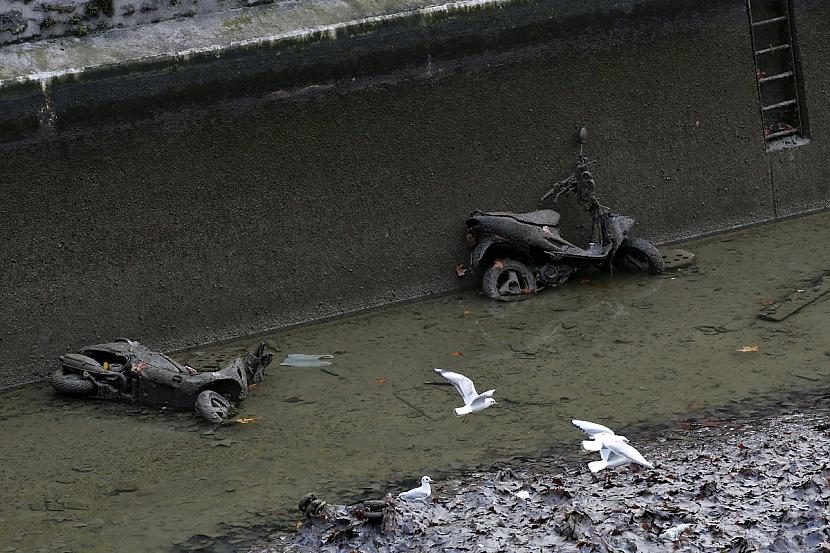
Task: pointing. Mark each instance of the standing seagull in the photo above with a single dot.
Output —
(473, 401)
(421, 492)
(614, 450)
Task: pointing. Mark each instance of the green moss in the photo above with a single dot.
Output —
(236, 23)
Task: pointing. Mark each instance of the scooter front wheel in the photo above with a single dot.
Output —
(508, 280)
(638, 256)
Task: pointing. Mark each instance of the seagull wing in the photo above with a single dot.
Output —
(463, 384)
(417, 493)
(626, 450)
(480, 401)
(591, 428)
(592, 445)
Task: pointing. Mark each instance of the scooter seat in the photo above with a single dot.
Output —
(543, 217)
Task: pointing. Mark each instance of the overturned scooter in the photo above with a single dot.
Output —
(128, 371)
(524, 251)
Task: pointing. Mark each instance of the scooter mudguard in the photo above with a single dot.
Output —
(480, 250)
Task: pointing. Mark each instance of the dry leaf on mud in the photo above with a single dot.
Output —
(468, 312)
(460, 270)
(248, 420)
(381, 381)
(457, 354)
(766, 302)
(747, 349)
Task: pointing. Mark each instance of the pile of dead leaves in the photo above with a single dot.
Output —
(761, 486)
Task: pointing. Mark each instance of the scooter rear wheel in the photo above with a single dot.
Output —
(213, 406)
(72, 384)
(508, 280)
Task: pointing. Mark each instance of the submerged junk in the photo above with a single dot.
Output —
(305, 360)
(523, 252)
(128, 371)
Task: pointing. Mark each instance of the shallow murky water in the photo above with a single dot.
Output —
(628, 351)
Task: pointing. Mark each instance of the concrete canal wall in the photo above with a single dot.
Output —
(201, 178)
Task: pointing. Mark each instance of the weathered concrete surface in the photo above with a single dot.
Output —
(801, 176)
(186, 198)
(27, 20)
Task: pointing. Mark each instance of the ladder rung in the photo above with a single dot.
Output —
(768, 21)
(783, 104)
(781, 134)
(772, 49)
(776, 77)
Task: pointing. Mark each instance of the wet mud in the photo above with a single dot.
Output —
(718, 485)
(631, 351)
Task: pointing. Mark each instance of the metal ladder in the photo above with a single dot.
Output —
(771, 28)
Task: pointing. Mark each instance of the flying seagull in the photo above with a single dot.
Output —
(473, 401)
(614, 450)
(421, 492)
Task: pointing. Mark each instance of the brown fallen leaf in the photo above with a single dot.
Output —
(248, 420)
(252, 386)
(498, 264)
(381, 381)
(457, 354)
(766, 302)
(460, 270)
(747, 349)
(468, 312)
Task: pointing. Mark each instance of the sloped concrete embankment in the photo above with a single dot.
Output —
(202, 178)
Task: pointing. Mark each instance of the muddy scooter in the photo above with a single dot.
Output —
(524, 252)
(125, 370)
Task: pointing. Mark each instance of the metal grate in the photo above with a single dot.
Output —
(777, 72)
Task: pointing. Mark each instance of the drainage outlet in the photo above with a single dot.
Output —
(674, 259)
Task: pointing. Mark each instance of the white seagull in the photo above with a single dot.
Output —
(421, 492)
(473, 401)
(614, 450)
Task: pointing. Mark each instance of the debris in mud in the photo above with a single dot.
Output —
(676, 258)
(747, 349)
(305, 360)
(760, 485)
(126, 370)
(798, 300)
(521, 253)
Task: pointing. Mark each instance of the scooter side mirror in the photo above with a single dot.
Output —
(583, 135)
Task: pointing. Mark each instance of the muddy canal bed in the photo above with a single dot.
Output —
(718, 485)
(630, 351)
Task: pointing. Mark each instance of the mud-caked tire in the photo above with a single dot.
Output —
(636, 255)
(508, 280)
(72, 384)
(213, 406)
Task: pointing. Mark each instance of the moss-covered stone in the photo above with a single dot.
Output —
(13, 22)
(94, 8)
